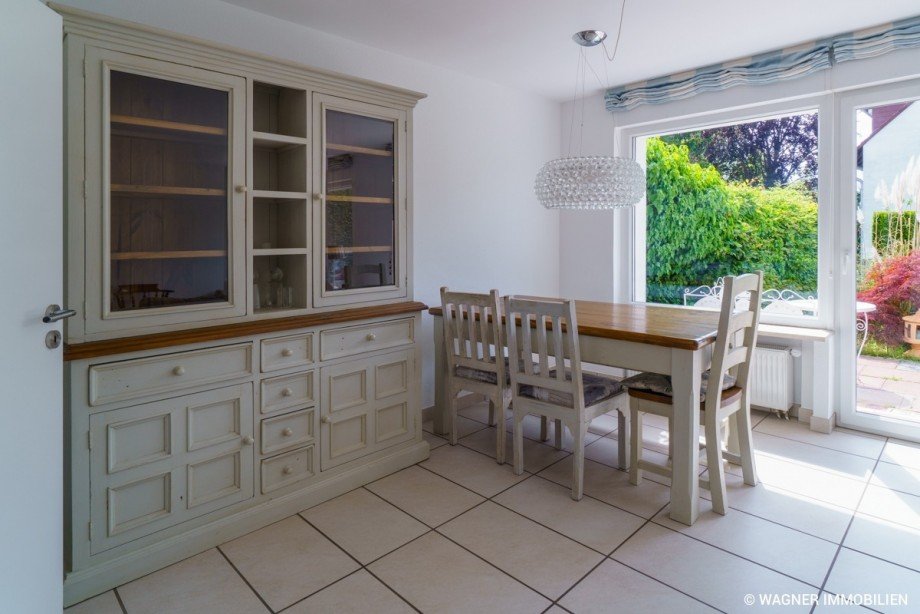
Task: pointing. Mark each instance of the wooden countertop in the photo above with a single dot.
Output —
(672, 327)
(123, 345)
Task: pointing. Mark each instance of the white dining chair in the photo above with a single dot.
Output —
(476, 362)
(570, 396)
(651, 393)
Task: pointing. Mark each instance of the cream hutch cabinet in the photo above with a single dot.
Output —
(239, 253)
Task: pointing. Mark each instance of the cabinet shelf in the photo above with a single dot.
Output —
(279, 195)
(269, 140)
(280, 251)
(386, 153)
(162, 124)
(162, 191)
(359, 249)
(368, 200)
(198, 253)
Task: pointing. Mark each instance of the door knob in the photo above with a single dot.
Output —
(55, 313)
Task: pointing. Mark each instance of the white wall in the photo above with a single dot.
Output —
(478, 146)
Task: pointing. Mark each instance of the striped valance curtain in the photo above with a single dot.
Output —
(769, 67)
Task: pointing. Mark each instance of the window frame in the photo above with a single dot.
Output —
(630, 139)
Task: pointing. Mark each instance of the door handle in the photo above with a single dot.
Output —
(55, 313)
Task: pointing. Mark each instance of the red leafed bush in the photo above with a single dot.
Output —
(893, 286)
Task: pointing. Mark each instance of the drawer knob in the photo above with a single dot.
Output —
(287, 352)
(371, 336)
(248, 440)
(242, 189)
(286, 392)
(180, 370)
(326, 420)
(287, 470)
(287, 432)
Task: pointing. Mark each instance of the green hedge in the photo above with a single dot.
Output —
(893, 232)
(701, 227)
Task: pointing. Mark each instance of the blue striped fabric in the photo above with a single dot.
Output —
(769, 67)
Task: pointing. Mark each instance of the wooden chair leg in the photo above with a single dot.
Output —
(491, 412)
(558, 435)
(746, 446)
(635, 450)
(579, 433)
(623, 438)
(716, 468)
(452, 418)
(498, 403)
(543, 430)
(517, 442)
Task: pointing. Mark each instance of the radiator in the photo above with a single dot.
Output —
(771, 378)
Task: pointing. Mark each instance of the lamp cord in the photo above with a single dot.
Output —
(616, 45)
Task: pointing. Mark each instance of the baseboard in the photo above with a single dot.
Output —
(804, 414)
(823, 425)
(92, 581)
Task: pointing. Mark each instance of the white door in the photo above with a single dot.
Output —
(879, 285)
(31, 248)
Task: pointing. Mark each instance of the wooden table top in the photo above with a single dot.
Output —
(686, 329)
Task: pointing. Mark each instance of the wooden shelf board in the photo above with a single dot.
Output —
(111, 347)
(361, 249)
(281, 251)
(359, 150)
(128, 120)
(369, 200)
(199, 253)
(159, 191)
(270, 140)
(279, 195)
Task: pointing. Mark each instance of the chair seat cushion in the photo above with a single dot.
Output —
(597, 388)
(487, 377)
(661, 384)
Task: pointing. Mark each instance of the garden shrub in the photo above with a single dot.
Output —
(701, 228)
(893, 232)
(893, 286)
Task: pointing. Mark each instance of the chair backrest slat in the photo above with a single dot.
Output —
(536, 315)
(737, 320)
(472, 331)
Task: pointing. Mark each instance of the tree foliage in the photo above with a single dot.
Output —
(893, 286)
(768, 153)
(701, 227)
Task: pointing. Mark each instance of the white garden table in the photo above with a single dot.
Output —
(667, 340)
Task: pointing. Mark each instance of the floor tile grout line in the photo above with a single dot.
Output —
(121, 602)
(432, 471)
(814, 445)
(617, 547)
(408, 513)
(493, 565)
(246, 581)
(617, 507)
(393, 590)
(878, 558)
(735, 554)
(319, 590)
(846, 531)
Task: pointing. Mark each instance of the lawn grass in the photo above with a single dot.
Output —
(881, 350)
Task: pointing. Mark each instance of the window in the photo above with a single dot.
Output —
(731, 199)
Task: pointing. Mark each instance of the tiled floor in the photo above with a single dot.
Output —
(835, 513)
(889, 387)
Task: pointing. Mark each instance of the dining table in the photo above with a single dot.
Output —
(672, 341)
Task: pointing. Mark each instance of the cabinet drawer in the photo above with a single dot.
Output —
(339, 342)
(287, 431)
(287, 391)
(129, 379)
(287, 469)
(284, 352)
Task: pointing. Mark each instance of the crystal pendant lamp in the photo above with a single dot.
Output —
(590, 182)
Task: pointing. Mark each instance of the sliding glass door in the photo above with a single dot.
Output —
(879, 283)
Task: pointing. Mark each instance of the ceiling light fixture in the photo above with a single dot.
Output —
(589, 182)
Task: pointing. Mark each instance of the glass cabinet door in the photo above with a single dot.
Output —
(361, 192)
(172, 193)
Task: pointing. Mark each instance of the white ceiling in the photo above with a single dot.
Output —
(526, 44)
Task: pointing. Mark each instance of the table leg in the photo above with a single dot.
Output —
(441, 402)
(686, 369)
(862, 326)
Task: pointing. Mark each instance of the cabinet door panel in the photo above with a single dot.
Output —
(162, 463)
(360, 231)
(164, 221)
